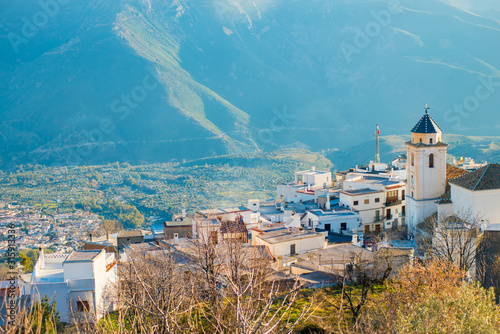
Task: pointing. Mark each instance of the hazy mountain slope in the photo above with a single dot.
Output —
(481, 149)
(62, 103)
(233, 75)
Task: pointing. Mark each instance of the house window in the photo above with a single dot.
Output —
(82, 306)
(413, 159)
(377, 200)
(367, 201)
(214, 237)
(343, 226)
(292, 249)
(431, 161)
(392, 196)
(356, 203)
(431, 140)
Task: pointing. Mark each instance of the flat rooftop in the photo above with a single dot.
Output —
(361, 192)
(312, 172)
(223, 211)
(128, 234)
(321, 213)
(377, 180)
(285, 234)
(105, 240)
(337, 252)
(53, 271)
(175, 223)
(83, 255)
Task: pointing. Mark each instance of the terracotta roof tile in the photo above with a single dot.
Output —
(485, 178)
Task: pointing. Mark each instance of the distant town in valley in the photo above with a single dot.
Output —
(385, 216)
(250, 167)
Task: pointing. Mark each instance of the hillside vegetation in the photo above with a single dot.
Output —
(163, 188)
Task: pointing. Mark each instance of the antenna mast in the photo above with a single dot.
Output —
(377, 139)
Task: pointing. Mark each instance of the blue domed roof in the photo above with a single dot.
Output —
(426, 125)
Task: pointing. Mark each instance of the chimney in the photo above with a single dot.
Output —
(91, 236)
(260, 225)
(107, 235)
(183, 213)
(327, 204)
(355, 239)
(41, 258)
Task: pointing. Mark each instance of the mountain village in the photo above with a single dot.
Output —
(379, 212)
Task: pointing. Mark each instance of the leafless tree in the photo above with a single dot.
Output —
(452, 238)
(364, 276)
(246, 295)
(209, 285)
(488, 260)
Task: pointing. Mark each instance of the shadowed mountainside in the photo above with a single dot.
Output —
(147, 81)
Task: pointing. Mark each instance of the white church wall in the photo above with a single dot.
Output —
(483, 204)
(445, 210)
(418, 211)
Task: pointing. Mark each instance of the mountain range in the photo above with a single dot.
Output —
(151, 80)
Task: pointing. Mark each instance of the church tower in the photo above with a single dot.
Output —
(426, 170)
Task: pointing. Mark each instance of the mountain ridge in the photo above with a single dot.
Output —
(233, 77)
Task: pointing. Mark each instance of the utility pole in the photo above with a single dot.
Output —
(377, 140)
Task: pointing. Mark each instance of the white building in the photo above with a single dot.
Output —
(476, 194)
(282, 241)
(401, 162)
(468, 163)
(306, 184)
(380, 201)
(82, 282)
(426, 170)
(333, 221)
(250, 217)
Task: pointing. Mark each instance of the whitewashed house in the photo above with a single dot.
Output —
(332, 221)
(282, 241)
(476, 194)
(82, 283)
(379, 201)
(305, 186)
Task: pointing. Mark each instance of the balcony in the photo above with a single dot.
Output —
(391, 202)
(379, 219)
